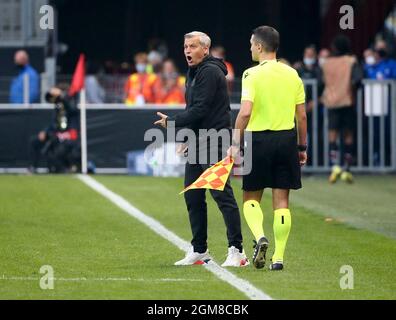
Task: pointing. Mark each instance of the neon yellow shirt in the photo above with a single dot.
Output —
(275, 89)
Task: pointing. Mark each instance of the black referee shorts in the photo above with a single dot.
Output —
(275, 161)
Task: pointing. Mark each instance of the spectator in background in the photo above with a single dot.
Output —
(159, 45)
(324, 53)
(95, 92)
(21, 60)
(369, 58)
(139, 80)
(309, 70)
(155, 60)
(169, 88)
(378, 66)
(220, 53)
(385, 67)
(341, 73)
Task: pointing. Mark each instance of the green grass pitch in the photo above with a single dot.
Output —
(97, 251)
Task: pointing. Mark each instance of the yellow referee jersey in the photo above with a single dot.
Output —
(275, 89)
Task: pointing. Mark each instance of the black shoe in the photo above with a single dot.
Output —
(260, 249)
(276, 266)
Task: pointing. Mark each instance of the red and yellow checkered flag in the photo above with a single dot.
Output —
(214, 177)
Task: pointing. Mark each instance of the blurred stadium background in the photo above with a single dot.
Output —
(57, 220)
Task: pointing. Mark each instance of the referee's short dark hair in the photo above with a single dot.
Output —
(268, 37)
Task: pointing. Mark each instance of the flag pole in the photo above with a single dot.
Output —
(83, 131)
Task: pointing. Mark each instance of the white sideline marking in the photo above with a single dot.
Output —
(13, 278)
(240, 284)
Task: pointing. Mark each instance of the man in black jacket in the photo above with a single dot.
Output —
(208, 107)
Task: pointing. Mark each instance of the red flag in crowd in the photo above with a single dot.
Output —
(78, 76)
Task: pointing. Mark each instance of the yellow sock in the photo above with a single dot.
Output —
(254, 218)
(282, 225)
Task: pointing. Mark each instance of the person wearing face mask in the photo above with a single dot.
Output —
(134, 87)
(310, 57)
(309, 70)
(324, 53)
(21, 60)
(385, 67)
(370, 63)
(169, 88)
(369, 57)
(378, 66)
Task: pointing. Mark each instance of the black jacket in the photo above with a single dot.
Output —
(207, 100)
(66, 116)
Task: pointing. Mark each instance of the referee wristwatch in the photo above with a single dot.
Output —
(302, 147)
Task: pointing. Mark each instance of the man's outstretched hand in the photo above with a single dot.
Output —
(163, 121)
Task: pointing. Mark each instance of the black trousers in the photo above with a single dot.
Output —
(35, 151)
(197, 210)
(58, 155)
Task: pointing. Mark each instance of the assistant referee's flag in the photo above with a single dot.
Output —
(78, 77)
(214, 177)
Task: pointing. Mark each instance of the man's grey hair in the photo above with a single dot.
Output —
(204, 39)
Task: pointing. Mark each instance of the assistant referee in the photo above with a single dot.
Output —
(273, 110)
